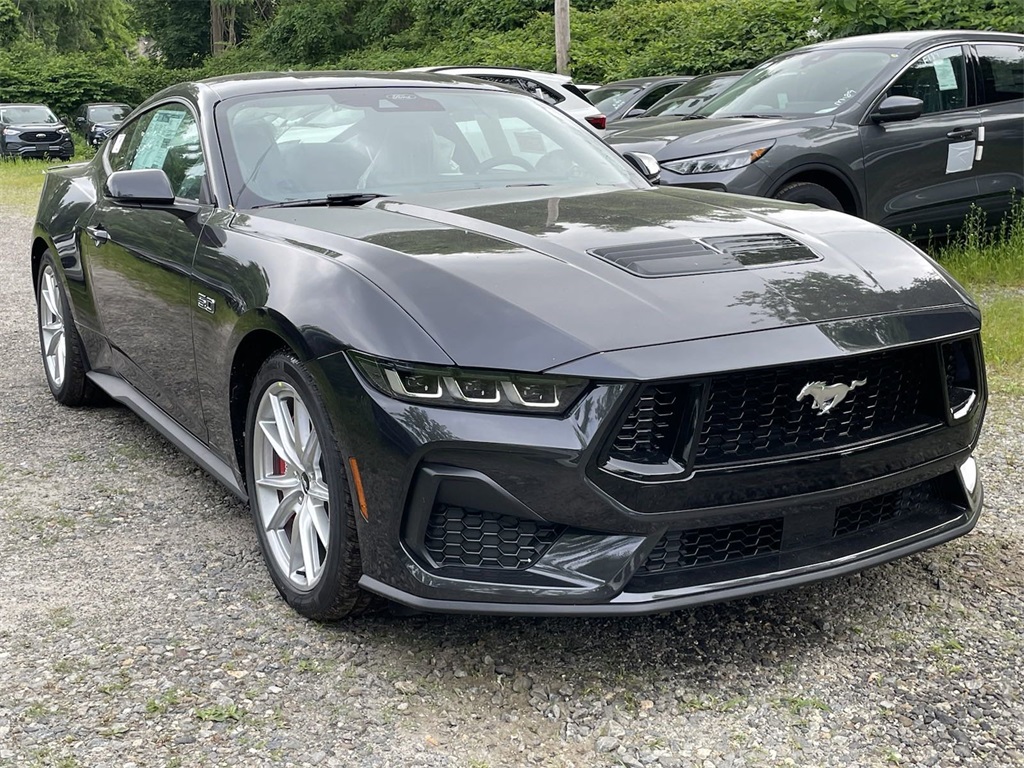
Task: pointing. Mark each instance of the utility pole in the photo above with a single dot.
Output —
(562, 37)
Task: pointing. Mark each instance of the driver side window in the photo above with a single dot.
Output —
(938, 79)
(165, 138)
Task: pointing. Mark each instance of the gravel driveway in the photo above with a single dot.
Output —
(138, 627)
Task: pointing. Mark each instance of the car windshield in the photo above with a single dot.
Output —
(816, 82)
(686, 98)
(611, 97)
(312, 144)
(27, 114)
(109, 113)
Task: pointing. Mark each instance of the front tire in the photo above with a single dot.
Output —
(61, 347)
(806, 192)
(299, 494)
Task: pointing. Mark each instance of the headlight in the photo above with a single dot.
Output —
(459, 388)
(723, 161)
(10, 132)
(64, 131)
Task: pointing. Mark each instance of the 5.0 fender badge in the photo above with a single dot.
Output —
(828, 396)
(205, 302)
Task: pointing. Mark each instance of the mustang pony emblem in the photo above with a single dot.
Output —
(828, 396)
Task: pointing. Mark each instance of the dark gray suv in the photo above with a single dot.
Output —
(32, 130)
(905, 129)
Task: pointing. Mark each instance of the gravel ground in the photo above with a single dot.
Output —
(138, 627)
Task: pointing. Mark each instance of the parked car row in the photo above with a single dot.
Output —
(33, 130)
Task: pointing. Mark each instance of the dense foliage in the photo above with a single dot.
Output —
(63, 52)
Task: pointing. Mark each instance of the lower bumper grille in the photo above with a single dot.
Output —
(678, 550)
(851, 518)
(470, 538)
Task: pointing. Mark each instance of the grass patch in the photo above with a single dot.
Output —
(21, 180)
(219, 714)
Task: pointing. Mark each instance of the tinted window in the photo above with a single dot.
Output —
(937, 78)
(1002, 72)
(653, 96)
(108, 113)
(610, 97)
(686, 98)
(27, 114)
(165, 138)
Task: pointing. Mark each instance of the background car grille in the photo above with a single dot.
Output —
(678, 550)
(40, 137)
(457, 536)
(755, 415)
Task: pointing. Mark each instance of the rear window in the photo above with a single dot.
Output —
(1002, 72)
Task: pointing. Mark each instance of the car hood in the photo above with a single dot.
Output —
(105, 126)
(673, 138)
(38, 127)
(509, 279)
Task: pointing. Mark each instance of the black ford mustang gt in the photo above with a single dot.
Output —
(457, 352)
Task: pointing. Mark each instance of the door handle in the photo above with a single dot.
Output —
(960, 134)
(98, 234)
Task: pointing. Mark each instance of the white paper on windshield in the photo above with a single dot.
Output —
(157, 139)
(960, 157)
(117, 144)
(944, 74)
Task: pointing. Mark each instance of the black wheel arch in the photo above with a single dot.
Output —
(828, 176)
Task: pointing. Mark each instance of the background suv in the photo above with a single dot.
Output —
(97, 121)
(32, 130)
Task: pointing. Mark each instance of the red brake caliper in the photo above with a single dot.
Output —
(279, 465)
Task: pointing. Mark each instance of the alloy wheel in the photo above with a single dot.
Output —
(51, 327)
(292, 495)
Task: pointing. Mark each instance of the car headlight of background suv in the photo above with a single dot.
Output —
(461, 388)
(11, 132)
(720, 161)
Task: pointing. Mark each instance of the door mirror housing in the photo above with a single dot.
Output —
(898, 108)
(646, 164)
(145, 186)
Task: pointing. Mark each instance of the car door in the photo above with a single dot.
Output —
(919, 174)
(140, 260)
(999, 161)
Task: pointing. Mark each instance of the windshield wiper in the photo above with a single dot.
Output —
(339, 199)
(694, 117)
(753, 116)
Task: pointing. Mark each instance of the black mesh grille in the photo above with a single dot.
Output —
(471, 538)
(679, 550)
(756, 414)
(648, 435)
(851, 518)
(39, 137)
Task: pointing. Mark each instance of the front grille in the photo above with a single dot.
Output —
(851, 518)
(40, 137)
(472, 538)
(756, 414)
(679, 550)
(648, 435)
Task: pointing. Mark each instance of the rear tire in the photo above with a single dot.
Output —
(807, 192)
(62, 350)
(299, 494)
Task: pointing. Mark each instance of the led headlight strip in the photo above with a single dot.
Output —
(460, 388)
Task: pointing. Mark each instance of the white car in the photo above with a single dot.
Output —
(557, 90)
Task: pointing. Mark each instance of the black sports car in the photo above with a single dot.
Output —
(457, 352)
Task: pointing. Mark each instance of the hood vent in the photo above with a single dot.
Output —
(672, 258)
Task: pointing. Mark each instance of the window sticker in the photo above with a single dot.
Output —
(157, 139)
(944, 74)
(960, 157)
(118, 142)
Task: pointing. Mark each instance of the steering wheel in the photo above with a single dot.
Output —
(500, 160)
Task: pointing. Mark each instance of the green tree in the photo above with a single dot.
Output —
(76, 25)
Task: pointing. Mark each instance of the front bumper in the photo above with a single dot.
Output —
(64, 149)
(508, 514)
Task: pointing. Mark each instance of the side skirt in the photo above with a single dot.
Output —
(123, 392)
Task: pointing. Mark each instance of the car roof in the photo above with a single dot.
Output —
(914, 40)
(641, 81)
(21, 104)
(489, 69)
(105, 104)
(228, 86)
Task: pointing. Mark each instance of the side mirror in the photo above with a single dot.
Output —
(146, 186)
(646, 164)
(79, 120)
(635, 112)
(898, 108)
